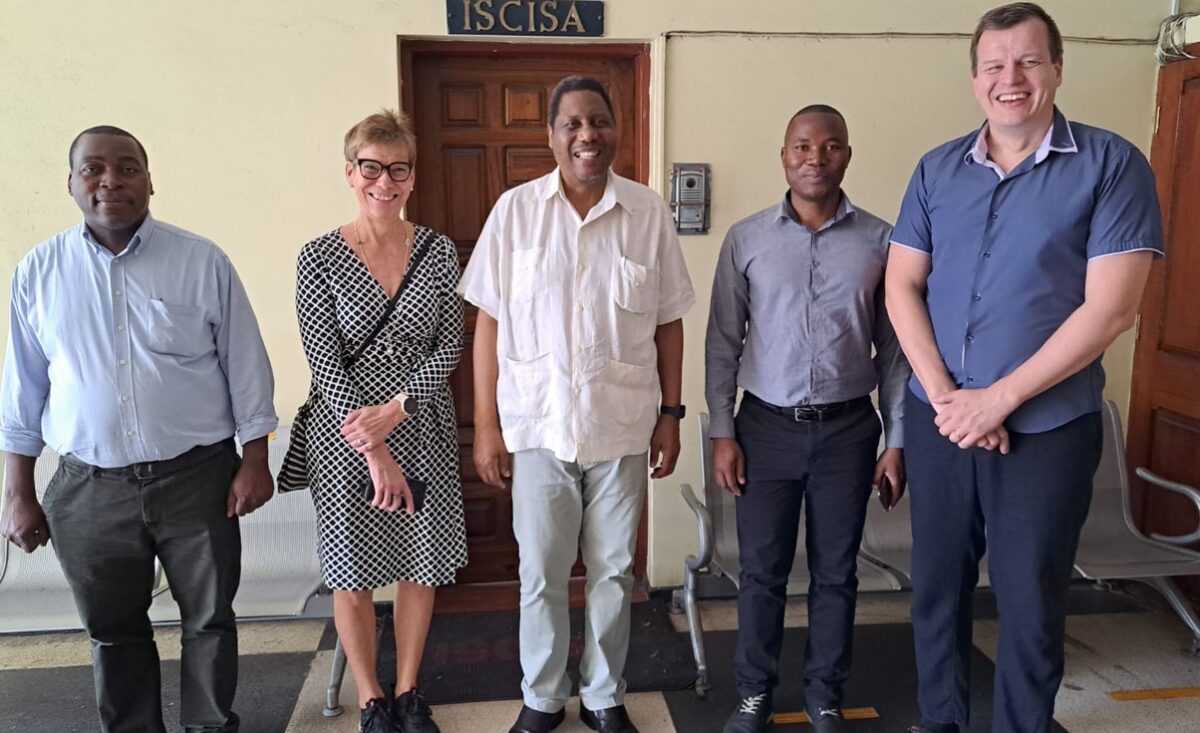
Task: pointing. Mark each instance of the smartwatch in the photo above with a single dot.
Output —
(675, 411)
(407, 403)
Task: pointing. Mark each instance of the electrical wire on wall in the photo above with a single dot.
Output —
(1171, 35)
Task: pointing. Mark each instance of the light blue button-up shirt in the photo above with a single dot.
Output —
(135, 357)
(1010, 252)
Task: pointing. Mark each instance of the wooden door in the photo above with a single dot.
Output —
(1164, 413)
(480, 115)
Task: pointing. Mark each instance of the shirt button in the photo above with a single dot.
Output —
(124, 398)
(581, 307)
(121, 327)
(987, 255)
(976, 297)
(129, 433)
(576, 390)
(970, 337)
(995, 215)
(117, 293)
(970, 379)
(122, 362)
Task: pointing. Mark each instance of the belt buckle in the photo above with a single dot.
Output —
(803, 413)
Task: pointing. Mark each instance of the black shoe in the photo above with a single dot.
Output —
(374, 718)
(826, 720)
(753, 715)
(607, 720)
(411, 714)
(535, 721)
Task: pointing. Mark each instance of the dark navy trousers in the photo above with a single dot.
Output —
(1026, 508)
(828, 465)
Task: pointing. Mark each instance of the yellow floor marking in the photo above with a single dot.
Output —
(1163, 694)
(848, 714)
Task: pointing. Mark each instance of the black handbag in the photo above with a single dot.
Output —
(293, 474)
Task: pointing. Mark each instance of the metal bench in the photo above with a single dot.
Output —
(717, 556)
(1111, 546)
(887, 540)
(280, 569)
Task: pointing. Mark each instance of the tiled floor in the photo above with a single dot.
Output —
(1105, 652)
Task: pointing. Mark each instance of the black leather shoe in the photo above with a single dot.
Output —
(607, 720)
(411, 714)
(535, 721)
(826, 720)
(753, 715)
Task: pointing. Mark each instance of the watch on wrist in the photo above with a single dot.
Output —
(407, 404)
(675, 411)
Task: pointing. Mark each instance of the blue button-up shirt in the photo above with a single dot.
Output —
(135, 357)
(1010, 252)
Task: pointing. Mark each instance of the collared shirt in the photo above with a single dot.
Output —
(135, 357)
(795, 313)
(1010, 252)
(577, 302)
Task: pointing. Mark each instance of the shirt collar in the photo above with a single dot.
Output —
(142, 234)
(1059, 139)
(616, 191)
(787, 212)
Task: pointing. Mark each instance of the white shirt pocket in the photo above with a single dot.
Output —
(635, 287)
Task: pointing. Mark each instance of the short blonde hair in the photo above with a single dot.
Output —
(385, 127)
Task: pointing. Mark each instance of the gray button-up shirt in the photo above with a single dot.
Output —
(795, 313)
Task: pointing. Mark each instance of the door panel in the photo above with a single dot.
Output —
(479, 111)
(1164, 413)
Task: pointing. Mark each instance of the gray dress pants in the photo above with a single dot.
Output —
(561, 509)
(107, 527)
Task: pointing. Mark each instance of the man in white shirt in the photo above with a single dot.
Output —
(581, 288)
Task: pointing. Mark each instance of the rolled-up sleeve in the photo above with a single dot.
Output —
(243, 358)
(25, 386)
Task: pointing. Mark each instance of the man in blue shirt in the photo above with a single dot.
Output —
(134, 354)
(1019, 255)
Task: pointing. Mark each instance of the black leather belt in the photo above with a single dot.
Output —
(154, 469)
(811, 413)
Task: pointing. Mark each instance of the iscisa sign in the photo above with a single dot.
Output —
(525, 17)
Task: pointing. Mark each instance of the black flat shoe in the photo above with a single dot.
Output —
(535, 721)
(411, 714)
(608, 720)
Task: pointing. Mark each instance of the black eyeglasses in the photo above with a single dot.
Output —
(372, 169)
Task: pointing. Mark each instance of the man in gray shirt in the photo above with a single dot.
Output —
(797, 304)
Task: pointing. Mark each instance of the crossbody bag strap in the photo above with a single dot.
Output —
(418, 255)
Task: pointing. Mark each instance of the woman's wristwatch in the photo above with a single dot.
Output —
(675, 411)
(407, 404)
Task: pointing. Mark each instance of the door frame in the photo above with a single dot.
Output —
(410, 48)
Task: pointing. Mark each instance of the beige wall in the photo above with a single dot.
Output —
(242, 107)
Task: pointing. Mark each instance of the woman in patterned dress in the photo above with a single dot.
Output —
(383, 419)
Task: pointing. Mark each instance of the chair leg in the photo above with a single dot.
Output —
(1179, 605)
(695, 629)
(332, 707)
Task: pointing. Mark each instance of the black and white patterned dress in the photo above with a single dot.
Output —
(337, 303)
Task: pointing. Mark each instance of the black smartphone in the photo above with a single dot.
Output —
(886, 498)
(418, 488)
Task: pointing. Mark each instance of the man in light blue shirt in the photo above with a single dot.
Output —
(134, 354)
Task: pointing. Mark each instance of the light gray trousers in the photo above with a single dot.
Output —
(559, 508)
